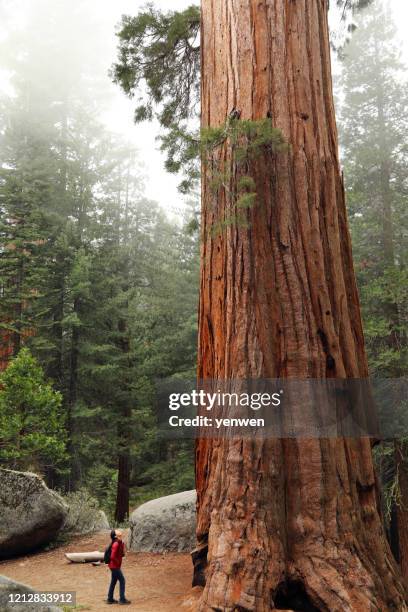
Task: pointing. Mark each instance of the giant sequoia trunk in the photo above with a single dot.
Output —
(288, 523)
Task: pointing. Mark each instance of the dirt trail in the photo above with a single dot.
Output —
(154, 582)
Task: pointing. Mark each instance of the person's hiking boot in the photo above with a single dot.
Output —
(125, 602)
(111, 601)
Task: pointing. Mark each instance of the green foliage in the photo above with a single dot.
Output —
(94, 278)
(229, 155)
(101, 479)
(384, 456)
(383, 295)
(183, 152)
(159, 65)
(26, 189)
(161, 50)
(352, 6)
(373, 130)
(159, 54)
(348, 14)
(173, 474)
(31, 418)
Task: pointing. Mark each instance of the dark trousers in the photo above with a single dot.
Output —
(117, 575)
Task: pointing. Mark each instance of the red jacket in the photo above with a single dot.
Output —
(117, 554)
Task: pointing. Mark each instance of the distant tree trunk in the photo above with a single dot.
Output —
(6, 349)
(18, 309)
(123, 488)
(57, 366)
(125, 415)
(288, 523)
(124, 436)
(72, 399)
(73, 371)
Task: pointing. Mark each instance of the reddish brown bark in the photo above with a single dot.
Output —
(402, 506)
(6, 350)
(289, 523)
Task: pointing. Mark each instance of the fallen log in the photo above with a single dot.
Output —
(84, 557)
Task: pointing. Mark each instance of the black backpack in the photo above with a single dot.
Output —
(107, 554)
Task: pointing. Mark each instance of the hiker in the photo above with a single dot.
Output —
(117, 553)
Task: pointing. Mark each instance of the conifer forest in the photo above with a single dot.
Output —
(214, 192)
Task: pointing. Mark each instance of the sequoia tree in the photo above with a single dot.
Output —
(288, 523)
(281, 522)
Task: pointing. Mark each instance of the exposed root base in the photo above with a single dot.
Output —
(292, 595)
(322, 590)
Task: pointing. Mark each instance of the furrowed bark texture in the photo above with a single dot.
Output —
(402, 507)
(289, 523)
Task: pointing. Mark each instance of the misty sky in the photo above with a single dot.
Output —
(160, 186)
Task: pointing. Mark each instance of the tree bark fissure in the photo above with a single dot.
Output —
(280, 300)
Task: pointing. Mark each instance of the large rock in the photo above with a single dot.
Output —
(166, 524)
(31, 515)
(9, 587)
(84, 515)
(82, 525)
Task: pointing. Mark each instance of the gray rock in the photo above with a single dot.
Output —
(84, 516)
(9, 587)
(166, 524)
(79, 525)
(31, 515)
(100, 522)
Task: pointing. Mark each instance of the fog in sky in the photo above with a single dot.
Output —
(94, 37)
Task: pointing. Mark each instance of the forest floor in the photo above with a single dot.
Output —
(155, 582)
